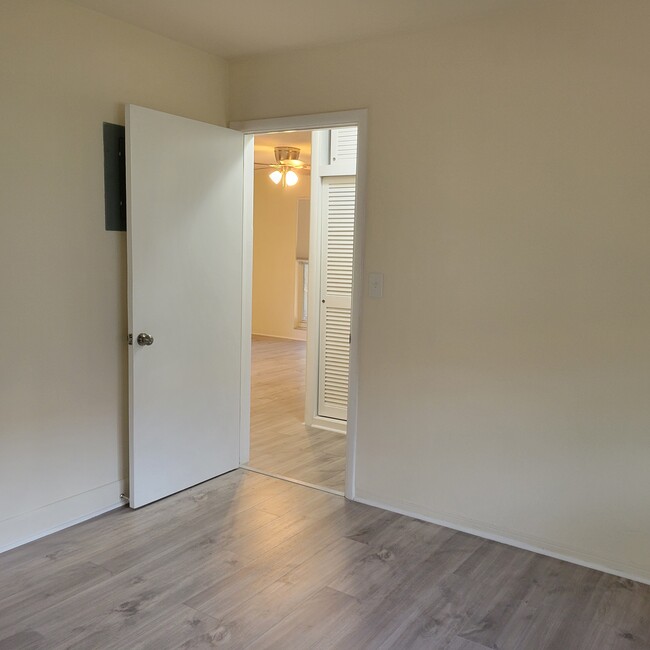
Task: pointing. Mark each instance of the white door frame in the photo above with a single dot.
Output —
(319, 170)
(250, 128)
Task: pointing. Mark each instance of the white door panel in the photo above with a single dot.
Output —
(185, 189)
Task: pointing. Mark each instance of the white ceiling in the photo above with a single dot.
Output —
(236, 28)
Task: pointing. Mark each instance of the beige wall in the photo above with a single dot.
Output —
(63, 413)
(274, 256)
(505, 375)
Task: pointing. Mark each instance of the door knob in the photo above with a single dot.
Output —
(144, 339)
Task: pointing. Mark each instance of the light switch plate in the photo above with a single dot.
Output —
(375, 285)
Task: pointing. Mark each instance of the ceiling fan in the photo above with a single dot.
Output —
(287, 162)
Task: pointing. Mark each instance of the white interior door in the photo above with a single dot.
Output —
(338, 199)
(184, 232)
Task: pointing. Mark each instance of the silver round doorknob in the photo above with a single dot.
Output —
(144, 339)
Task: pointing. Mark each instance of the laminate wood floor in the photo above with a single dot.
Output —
(248, 561)
(280, 442)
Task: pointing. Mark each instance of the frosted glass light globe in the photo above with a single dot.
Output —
(292, 178)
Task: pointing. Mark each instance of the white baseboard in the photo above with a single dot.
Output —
(279, 338)
(53, 517)
(541, 546)
(337, 426)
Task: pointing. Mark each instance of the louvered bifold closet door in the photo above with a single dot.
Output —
(343, 146)
(336, 295)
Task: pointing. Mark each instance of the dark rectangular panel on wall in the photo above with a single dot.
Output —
(114, 176)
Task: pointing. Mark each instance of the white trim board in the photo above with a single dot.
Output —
(56, 516)
(524, 542)
(358, 118)
(247, 301)
(311, 122)
(313, 299)
(329, 424)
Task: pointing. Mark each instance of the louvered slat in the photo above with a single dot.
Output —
(343, 144)
(339, 237)
(337, 357)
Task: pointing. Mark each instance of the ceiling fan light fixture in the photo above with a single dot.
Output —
(290, 162)
(287, 156)
(287, 164)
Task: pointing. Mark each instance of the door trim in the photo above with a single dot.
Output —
(247, 300)
(358, 118)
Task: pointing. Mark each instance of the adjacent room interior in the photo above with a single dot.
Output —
(303, 243)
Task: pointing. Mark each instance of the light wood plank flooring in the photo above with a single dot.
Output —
(248, 561)
(280, 443)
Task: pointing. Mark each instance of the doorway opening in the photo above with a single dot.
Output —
(304, 205)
